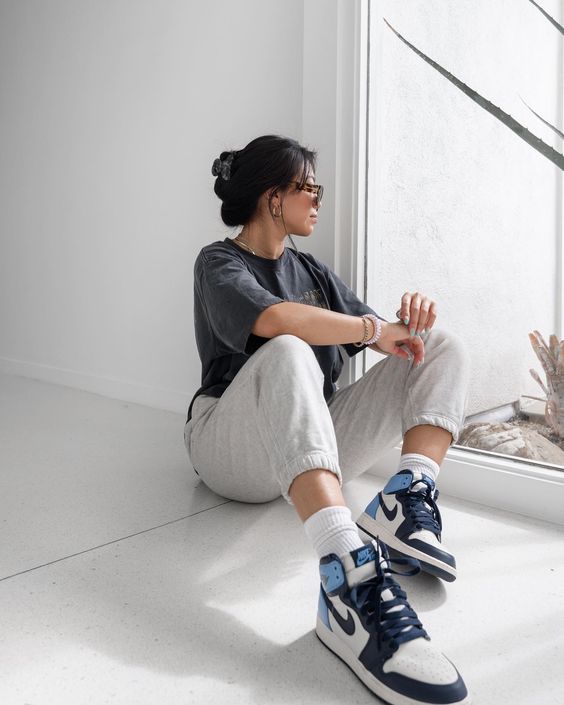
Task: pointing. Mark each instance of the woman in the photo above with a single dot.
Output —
(269, 419)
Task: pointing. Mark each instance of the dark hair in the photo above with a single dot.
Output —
(268, 162)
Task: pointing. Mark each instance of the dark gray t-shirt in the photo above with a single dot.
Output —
(232, 287)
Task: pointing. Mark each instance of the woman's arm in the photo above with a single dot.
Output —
(319, 326)
(315, 325)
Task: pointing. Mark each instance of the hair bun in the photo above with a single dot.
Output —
(222, 167)
(243, 175)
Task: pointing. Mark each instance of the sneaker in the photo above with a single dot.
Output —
(406, 518)
(366, 620)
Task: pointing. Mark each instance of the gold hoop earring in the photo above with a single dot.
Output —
(276, 213)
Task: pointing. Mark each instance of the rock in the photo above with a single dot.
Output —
(511, 440)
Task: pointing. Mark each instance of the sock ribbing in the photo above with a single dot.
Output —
(332, 530)
(419, 463)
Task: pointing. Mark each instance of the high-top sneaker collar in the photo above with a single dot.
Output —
(412, 480)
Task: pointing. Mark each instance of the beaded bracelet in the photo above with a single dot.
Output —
(377, 330)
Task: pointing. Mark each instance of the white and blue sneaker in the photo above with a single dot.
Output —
(406, 518)
(365, 619)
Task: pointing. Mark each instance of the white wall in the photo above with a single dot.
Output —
(460, 208)
(111, 114)
(110, 117)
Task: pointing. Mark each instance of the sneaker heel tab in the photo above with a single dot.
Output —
(332, 573)
(397, 483)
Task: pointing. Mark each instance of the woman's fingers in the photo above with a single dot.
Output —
(411, 349)
(418, 312)
(405, 307)
(404, 352)
(418, 348)
(396, 340)
(415, 314)
(429, 309)
(432, 316)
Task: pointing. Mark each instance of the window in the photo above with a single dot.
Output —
(463, 209)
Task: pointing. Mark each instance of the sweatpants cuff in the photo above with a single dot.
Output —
(432, 419)
(311, 461)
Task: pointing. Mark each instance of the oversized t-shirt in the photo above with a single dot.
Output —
(233, 286)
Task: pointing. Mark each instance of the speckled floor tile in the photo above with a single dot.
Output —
(219, 606)
(79, 469)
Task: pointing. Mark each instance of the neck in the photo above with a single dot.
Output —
(266, 239)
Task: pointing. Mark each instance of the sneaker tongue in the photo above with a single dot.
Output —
(360, 564)
(420, 482)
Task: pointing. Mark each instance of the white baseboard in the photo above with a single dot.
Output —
(503, 482)
(155, 397)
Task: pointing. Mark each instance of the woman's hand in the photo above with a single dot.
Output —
(395, 334)
(418, 312)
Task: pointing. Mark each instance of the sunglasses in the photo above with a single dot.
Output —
(316, 189)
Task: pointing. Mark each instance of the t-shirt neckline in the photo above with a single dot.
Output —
(273, 263)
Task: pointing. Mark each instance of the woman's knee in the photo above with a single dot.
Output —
(289, 350)
(290, 344)
(452, 342)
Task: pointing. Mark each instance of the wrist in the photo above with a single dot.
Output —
(375, 346)
(367, 338)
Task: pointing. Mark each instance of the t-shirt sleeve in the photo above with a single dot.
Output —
(344, 300)
(231, 297)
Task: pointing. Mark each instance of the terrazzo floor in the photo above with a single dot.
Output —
(124, 580)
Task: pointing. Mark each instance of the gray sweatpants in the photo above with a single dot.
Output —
(273, 423)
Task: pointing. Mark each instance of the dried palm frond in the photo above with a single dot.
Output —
(552, 360)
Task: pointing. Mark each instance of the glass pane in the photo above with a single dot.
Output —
(465, 202)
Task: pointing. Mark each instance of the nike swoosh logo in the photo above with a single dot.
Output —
(390, 513)
(347, 625)
(365, 555)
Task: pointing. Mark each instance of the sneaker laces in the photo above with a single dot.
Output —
(396, 621)
(420, 505)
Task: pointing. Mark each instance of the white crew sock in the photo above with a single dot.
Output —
(419, 463)
(332, 530)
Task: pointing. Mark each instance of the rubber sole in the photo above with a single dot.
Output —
(428, 563)
(340, 649)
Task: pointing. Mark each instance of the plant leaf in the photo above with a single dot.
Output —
(498, 113)
(539, 346)
(560, 362)
(548, 17)
(535, 376)
(554, 346)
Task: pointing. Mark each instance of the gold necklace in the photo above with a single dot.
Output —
(242, 242)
